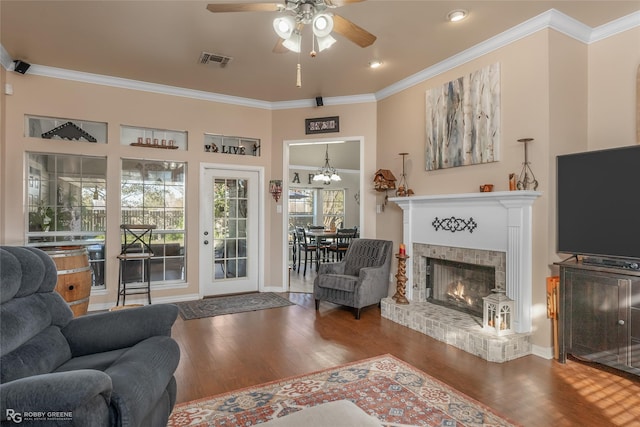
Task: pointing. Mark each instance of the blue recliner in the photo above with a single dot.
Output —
(104, 369)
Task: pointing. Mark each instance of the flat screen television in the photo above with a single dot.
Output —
(599, 205)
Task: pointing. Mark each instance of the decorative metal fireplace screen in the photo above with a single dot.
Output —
(459, 285)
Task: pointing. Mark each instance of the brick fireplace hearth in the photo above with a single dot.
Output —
(489, 229)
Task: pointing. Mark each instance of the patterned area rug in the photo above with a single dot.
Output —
(386, 387)
(209, 307)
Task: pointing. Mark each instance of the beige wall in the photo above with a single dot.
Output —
(356, 121)
(566, 95)
(62, 98)
(548, 92)
(613, 65)
(524, 85)
(3, 153)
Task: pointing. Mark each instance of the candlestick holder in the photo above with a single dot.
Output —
(401, 278)
(403, 187)
(525, 182)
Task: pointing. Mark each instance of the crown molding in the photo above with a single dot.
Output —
(551, 19)
(79, 76)
(332, 100)
(5, 58)
(59, 73)
(617, 26)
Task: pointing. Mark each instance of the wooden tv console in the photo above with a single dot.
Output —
(599, 315)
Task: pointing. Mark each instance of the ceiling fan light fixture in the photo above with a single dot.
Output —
(322, 24)
(293, 42)
(284, 26)
(325, 42)
(457, 15)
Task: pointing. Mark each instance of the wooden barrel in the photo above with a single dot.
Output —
(74, 276)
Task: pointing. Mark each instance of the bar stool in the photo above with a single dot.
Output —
(136, 250)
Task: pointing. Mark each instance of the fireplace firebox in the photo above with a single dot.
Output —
(459, 285)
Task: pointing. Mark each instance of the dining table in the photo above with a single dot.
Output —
(320, 235)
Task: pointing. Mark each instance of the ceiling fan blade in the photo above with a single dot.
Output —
(245, 7)
(356, 34)
(279, 47)
(338, 3)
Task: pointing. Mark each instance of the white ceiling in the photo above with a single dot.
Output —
(161, 41)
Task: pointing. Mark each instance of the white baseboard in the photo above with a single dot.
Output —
(273, 289)
(143, 300)
(544, 352)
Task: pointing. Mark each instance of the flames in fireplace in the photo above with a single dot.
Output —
(459, 285)
(456, 292)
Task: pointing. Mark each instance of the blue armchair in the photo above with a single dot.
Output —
(104, 369)
(360, 279)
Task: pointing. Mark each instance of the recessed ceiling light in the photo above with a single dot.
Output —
(375, 64)
(457, 15)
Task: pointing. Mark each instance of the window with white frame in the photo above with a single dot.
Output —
(302, 207)
(310, 206)
(153, 192)
(67, 205)
(333, 208)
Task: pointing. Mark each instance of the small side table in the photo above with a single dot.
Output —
(401, 277)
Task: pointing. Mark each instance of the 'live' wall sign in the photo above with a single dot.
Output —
(322, 125)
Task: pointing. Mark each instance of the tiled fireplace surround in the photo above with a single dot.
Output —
(499, 236)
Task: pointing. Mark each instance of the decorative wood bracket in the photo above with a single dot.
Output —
(454, 224)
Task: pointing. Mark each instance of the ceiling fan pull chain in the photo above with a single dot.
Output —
(313, 52)
(298, 77)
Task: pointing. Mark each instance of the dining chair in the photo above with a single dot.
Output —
(294, 248)
(322, 242)
(341, 242)
(308, 247)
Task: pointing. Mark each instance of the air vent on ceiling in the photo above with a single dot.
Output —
(214, 58)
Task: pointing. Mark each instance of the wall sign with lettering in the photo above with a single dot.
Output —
(322, 125)
(231, 145)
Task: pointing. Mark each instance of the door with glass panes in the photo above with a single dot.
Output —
(229, 240)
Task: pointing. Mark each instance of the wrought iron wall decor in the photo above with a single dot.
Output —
(69, 130)
(454, 224)
(238, 145)
(527, 179)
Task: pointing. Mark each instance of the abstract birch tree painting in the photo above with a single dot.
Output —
(463, 120)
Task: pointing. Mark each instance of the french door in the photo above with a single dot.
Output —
(229, 240)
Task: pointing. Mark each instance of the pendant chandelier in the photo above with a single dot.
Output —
(326, 173)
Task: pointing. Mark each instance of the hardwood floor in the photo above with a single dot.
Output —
(225, 353)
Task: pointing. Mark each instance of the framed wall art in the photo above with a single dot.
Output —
(463, 120)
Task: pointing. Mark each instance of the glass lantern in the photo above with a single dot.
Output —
(498, 313)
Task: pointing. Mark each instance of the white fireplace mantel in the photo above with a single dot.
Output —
(494, 221)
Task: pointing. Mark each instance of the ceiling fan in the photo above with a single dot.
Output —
(297, 13)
